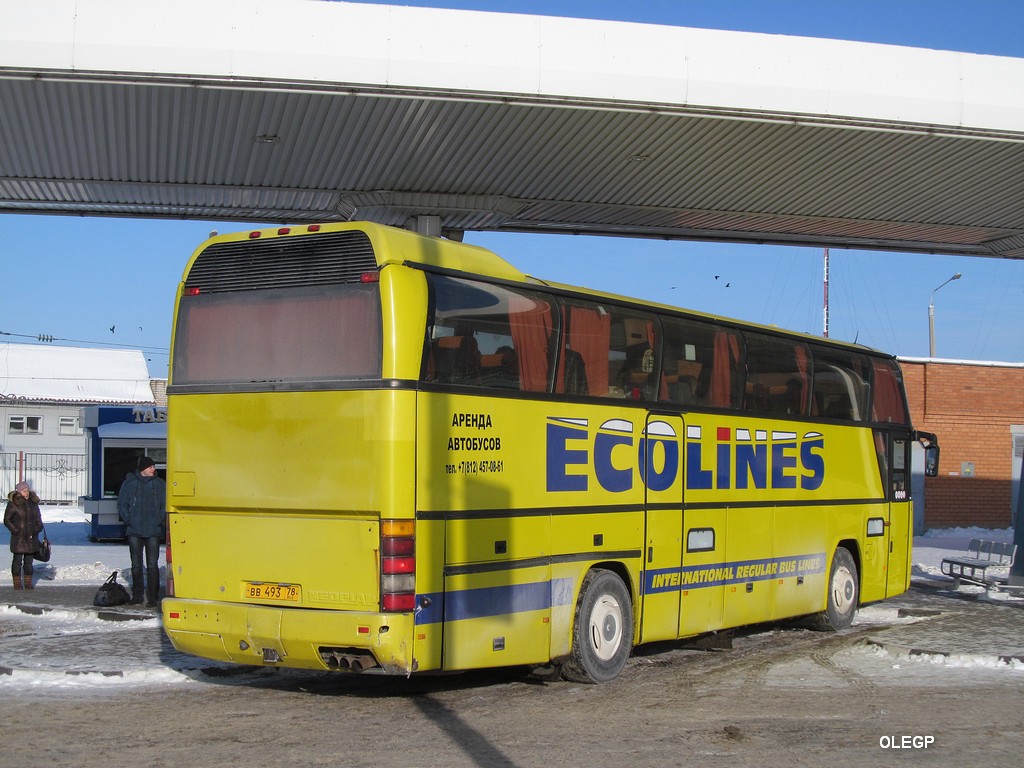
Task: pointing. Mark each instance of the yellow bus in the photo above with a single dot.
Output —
(391, 453)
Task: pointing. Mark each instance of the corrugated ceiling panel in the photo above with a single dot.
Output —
(262, 154)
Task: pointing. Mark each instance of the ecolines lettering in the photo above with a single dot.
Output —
(742, 460)
(739, 459)
(570, 450)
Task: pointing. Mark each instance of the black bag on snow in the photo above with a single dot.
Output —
(111, 593)
(43, 550)
(42, 553)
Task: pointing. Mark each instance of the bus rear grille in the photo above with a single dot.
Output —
(284, 262)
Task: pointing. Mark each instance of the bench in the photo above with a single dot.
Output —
(981, 555)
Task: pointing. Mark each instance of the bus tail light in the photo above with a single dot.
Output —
(398, 565)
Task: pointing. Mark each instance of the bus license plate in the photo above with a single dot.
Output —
(259, 590)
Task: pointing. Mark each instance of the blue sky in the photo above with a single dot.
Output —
(76, 277)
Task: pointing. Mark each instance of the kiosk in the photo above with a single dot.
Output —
(116, 438)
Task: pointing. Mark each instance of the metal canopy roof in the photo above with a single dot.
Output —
(308, 111)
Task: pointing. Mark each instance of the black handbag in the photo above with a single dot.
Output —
(111, 593)
(43, 552)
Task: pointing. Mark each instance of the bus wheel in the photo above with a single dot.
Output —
(843, 593)
(602, 631)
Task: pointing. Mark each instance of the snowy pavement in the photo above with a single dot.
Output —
(52, 637)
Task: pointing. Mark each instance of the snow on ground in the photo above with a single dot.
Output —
(930, 548)
(934, 545)
(75, 559)
(142, 655)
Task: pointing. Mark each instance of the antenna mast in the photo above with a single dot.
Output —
(825, 332)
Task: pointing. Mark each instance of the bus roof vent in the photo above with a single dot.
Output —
(283, 262)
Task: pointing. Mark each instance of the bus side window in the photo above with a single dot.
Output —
(631, 357)
(486, 335)
(778, 372)
(841, 385)
(701, 365)
(725, 379)
(583, 362)
(530, 321)
(887, 403)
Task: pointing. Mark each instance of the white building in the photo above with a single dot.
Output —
(42, 392)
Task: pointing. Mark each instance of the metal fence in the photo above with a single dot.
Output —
(56, 478)
(8, 472)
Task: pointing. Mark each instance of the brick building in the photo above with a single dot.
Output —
(977, 411)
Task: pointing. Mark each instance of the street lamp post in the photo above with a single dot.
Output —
(931, 317)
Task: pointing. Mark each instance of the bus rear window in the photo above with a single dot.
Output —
(321, 333)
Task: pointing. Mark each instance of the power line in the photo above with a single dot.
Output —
(45, 338)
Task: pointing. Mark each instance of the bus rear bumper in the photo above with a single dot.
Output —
(299, 638)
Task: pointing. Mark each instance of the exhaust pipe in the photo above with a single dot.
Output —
(347, 659)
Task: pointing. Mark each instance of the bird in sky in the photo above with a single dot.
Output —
(112, 328)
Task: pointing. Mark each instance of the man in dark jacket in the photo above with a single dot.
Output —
(141, 506)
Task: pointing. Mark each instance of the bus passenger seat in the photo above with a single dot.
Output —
(575, 374)
(839, 408)
(489, 364)
(684, 390)
(456, 360)
(500, 369)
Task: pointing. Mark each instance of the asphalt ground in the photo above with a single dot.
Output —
(950, 623)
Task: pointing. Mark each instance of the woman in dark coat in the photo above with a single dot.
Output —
(25, 523)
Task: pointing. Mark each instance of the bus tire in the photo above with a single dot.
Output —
(602, 635)
(843, 593)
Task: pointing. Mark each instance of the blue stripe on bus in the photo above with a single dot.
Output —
(493, 601)
(737, 572)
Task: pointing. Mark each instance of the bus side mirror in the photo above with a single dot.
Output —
(930, 444)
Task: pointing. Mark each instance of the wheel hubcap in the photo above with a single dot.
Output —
(606, 627)
(843, 590)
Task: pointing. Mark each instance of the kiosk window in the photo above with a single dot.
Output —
(119, 462)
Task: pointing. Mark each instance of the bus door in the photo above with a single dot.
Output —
(702, 592)
(661, 461)
(898, 542)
